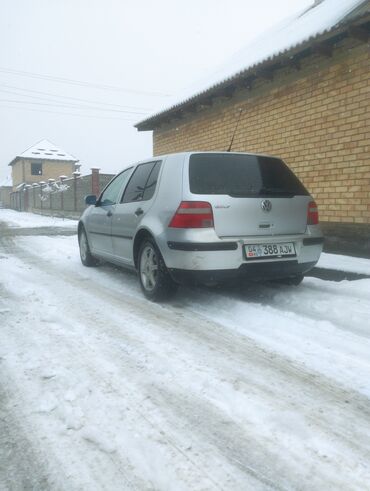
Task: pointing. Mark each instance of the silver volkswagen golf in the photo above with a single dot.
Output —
(203, 217)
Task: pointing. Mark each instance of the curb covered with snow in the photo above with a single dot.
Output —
(31, 220)
(344, 263)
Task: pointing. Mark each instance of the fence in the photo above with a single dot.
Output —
(62, 198)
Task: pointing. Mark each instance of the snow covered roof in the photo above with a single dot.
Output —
(45, 150)
(322, 17)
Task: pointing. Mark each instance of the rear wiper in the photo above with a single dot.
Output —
(276, 191)
(245, 193)
(258, 192)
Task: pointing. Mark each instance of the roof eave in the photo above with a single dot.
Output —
(155, 121)
(41, 158)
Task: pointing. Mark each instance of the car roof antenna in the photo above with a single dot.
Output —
(236, 127)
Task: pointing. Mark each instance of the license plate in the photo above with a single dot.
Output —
(261, 251)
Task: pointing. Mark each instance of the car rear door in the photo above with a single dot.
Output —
(135, 202)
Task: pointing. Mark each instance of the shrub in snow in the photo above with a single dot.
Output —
(47, 189)
(54, 188)
(60, 188)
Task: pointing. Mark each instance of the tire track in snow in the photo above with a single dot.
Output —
(72, 351)
(165, 313)
(21, 465)
(80, 440)
(186, 320)
(206, 421)
(312, 309)
(229, 338)
(274, 473)
(131, 369)
(308, 301)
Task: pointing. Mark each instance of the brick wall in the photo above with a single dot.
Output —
(67, 203)
(316, 118)
(5, 196)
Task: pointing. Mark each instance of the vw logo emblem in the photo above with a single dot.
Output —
(266, 205)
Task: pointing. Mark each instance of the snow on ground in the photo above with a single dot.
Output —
(30, 220)
(344, 263)
(325, 305)
(251, 387)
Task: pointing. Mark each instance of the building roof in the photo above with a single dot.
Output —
(45, 150)
(285, 39)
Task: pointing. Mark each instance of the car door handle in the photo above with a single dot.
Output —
(109, 214)
(139, 212)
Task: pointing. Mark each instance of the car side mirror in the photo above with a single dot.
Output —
(90, 199)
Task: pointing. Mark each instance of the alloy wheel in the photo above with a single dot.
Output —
(149, 268)
(83, 246)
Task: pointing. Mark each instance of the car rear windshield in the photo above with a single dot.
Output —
(242, 176)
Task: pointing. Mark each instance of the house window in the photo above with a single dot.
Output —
(36, 169)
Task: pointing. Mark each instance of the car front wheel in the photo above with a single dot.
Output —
(155, 280)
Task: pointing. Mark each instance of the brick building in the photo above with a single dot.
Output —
(46, 180)
(41, 162)
(302, 92)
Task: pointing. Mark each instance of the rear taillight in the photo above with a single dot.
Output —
(193, 214)
(312, 214)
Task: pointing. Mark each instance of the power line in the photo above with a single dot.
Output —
(79, 83)
(88, 116)
(70, 106)
(68, 97)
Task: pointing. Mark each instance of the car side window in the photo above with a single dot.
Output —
(111, 193)
(151, 182)
(142, 183)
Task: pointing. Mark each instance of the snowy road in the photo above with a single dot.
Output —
(258, 387)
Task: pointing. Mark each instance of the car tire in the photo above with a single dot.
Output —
(87, 258)
(155, 280)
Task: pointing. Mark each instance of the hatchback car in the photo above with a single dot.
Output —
(203, 217)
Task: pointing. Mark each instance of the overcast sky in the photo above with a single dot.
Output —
(81, 72)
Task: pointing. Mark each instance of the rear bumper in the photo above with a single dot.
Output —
(253, 271)
(226, 246)
(211, 254)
